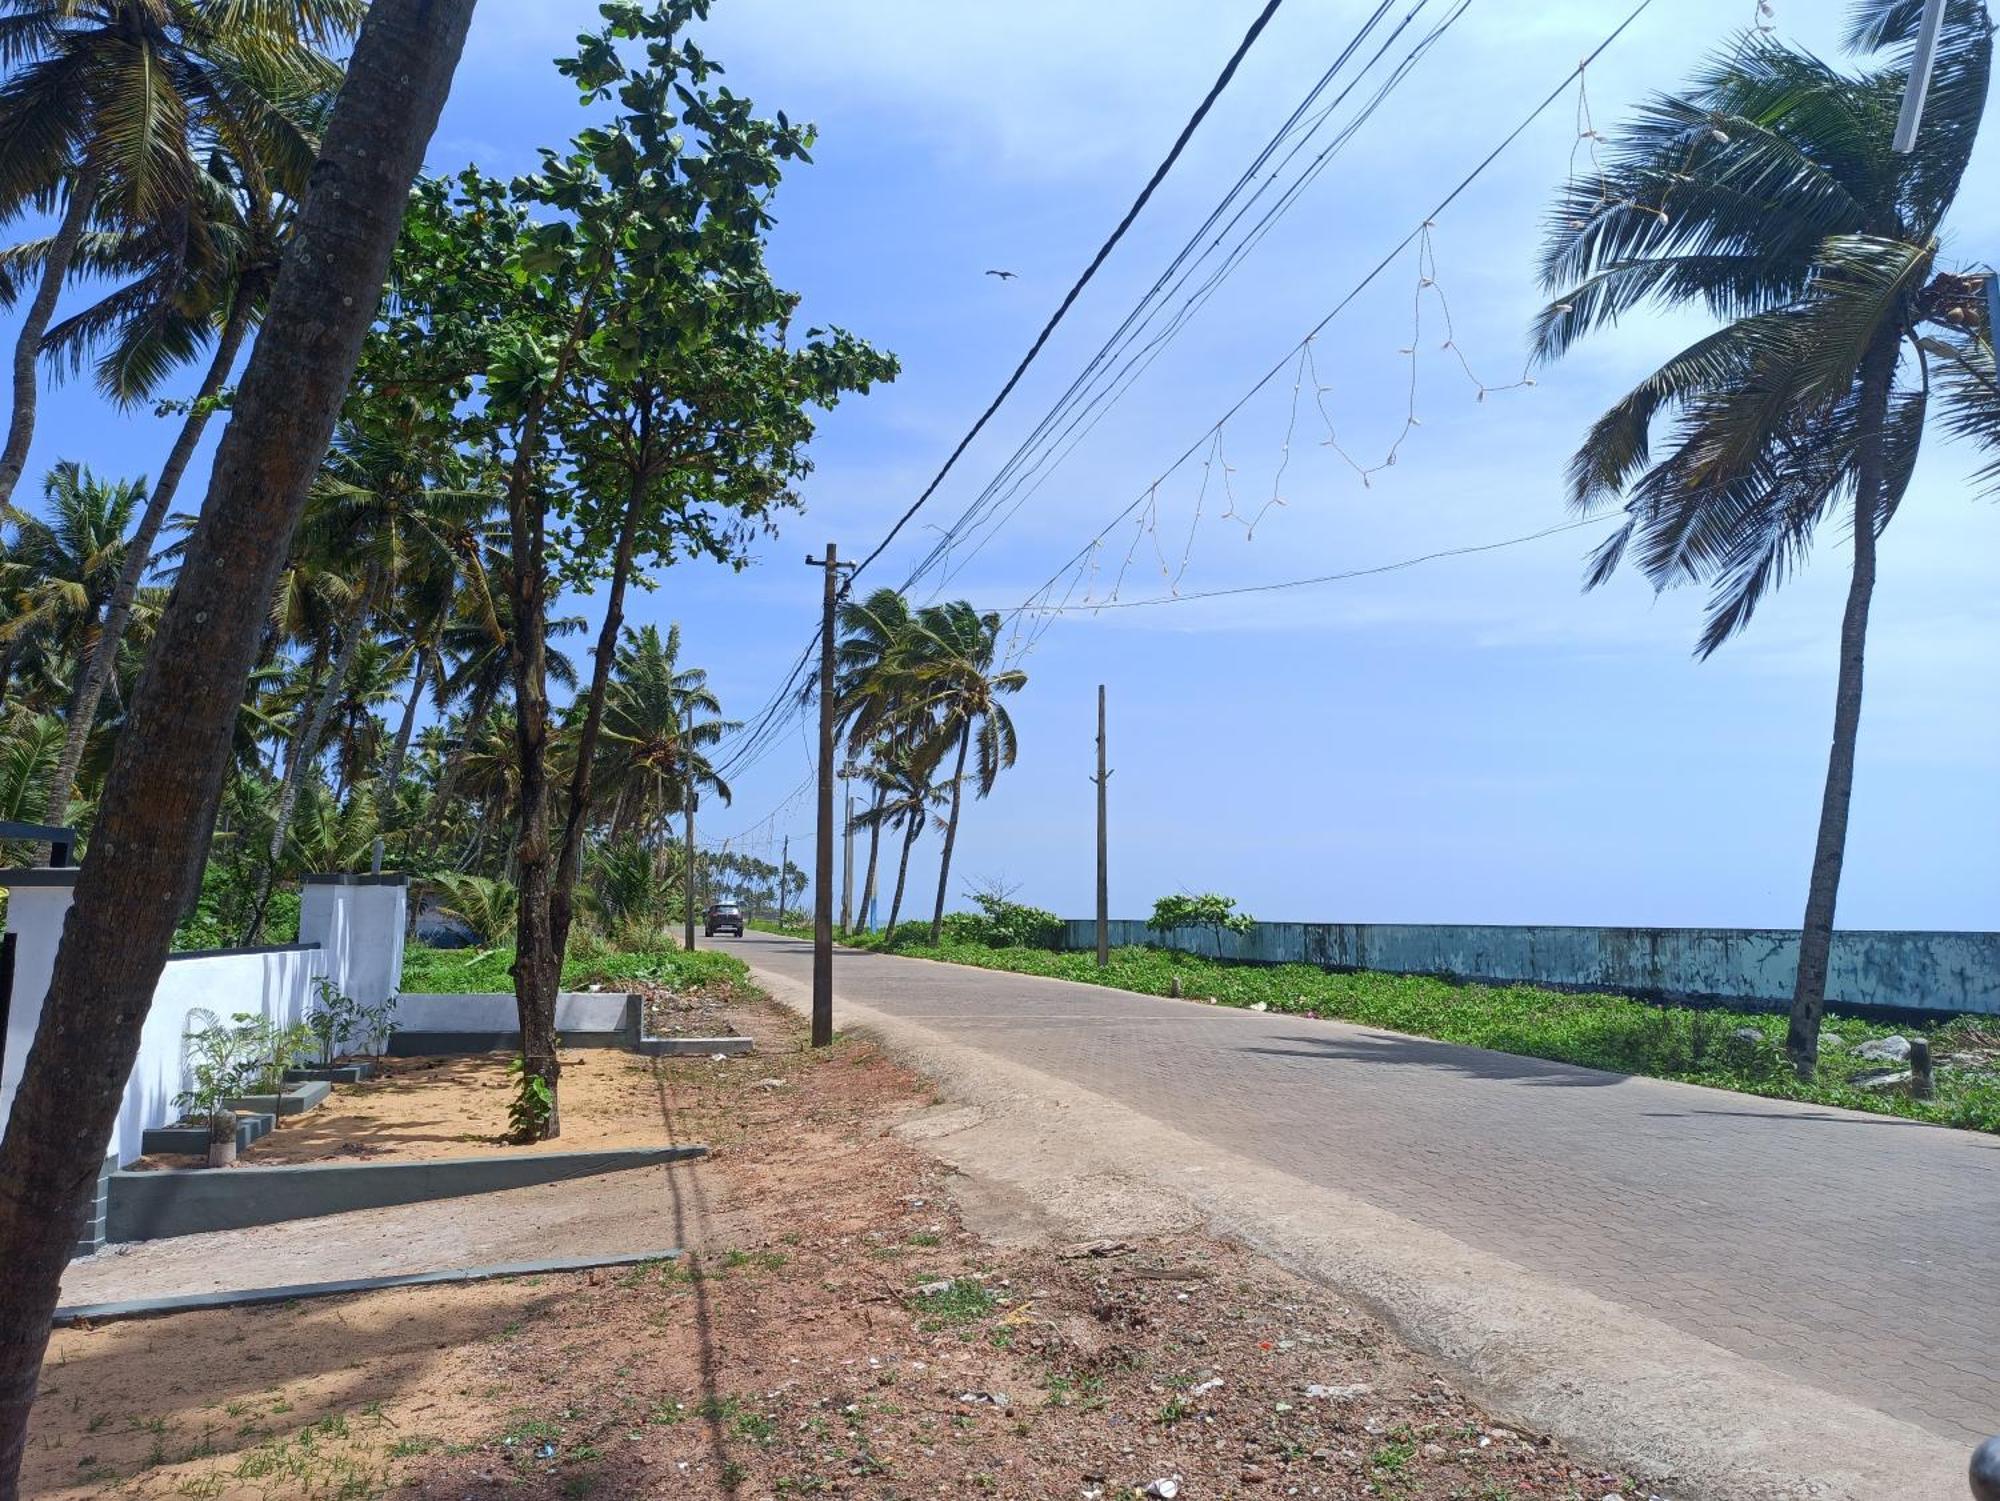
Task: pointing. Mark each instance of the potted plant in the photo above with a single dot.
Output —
(216, 1064)
(334, 1020)
(378, 1025)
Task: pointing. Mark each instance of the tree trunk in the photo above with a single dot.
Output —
(28, 341)
(139, 553)
(874, 853)
(537, 961)
(569, 860)
(305, 749)
(476, 710)
(159, 801)
(1822, 892)
(951, 832)
(903, 870)
(385, 798)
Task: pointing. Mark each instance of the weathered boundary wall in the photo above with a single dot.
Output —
(1912, 971)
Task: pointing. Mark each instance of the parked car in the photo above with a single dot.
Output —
(723, 917)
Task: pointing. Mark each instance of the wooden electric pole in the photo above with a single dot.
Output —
(822, 991)
(1103, 844)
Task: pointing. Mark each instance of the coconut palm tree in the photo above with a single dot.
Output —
(378, 520)
(960, 690)
(660, 720)
(110, 107)
(1768, 193)
(905, 796)
(65, 564)
(164, 314)
(875, 696)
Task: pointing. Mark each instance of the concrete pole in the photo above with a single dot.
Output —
(822, 986)
(784, 869)
(1921, 63)
(1103, 844)
(687, 795)
(847, 865)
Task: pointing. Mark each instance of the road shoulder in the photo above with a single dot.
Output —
(1597, 1376)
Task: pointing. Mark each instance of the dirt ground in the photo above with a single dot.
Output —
(835, 1329)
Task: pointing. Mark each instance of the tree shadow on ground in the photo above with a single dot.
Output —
(1393, 1049)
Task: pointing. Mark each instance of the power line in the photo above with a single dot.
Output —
(1324, 578)
(1292, 354)
(757, 738)
(1024, 478)
(760, 735)
(1103, 251)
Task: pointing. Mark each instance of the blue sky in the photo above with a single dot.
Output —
(1471, 740)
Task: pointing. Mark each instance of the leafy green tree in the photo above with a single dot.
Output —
(638, 383)
(1768, 194)
(1209, 913)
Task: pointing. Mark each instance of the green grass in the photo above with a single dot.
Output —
(961, 1301)
(1616, 1033)
(428, 971)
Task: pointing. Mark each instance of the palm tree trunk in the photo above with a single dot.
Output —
(159, 801)
(874, 853)
(305, 749)
(950, 832)
(139, 553)
(476, 710)
(385, 797)
(1829, 852)
(915, 828)
(28, 341)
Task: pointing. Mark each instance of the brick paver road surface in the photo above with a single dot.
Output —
(1860, 1254)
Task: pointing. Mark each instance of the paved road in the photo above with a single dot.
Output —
(1860, 1254)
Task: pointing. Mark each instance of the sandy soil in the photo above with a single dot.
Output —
(837, 1329)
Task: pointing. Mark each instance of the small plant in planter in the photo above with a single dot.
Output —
(217, 1061)
(378, 1025)
(334, 1020)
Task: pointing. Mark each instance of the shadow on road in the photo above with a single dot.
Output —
(1417, 1052)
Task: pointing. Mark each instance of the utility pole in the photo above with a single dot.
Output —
(687, 799)
(847, 848)
(1921, 63)
(822, 991)
(784, 870)
(1103, 844)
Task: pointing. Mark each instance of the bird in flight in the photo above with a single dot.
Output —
(1004, 275)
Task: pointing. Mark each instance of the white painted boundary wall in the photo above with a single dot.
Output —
(352, 927)
(195, 988)
(489, 1011)
(359, 922)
